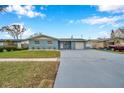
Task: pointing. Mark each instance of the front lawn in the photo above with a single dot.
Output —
(29, 54)
(27, 74)
(116, 52)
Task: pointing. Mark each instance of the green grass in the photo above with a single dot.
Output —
(27, 74)
(116, 52)
(29, 54)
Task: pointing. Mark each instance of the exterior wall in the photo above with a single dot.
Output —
(122, 42)
(1, 43)
(19, 45)
(88, 44)
(92, 44)
(100, 45)
(25, 44)
(97, 44)
(72, 45)
(43, 44)
(61, 45)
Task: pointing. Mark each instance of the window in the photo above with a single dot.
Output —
(37, 42)
(49, 42)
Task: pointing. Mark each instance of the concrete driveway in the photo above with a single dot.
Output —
(90, 69)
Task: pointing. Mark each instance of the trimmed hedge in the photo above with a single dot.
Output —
(1, 49)
(11, 49)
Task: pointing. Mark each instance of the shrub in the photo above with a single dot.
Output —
(10, 48)
(1, 49)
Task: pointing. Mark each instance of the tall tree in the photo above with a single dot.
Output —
(14, 30)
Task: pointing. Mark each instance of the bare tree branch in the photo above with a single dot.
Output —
(3, 8)
(14, 30)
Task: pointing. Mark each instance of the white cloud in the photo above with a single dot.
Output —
(102, 26)
(27, 33)
(71, 21)
(115, 21)
(111, 8)
(7, 36)
(42, 8)
(25, 11)
(100, 20)
(118, 24)
(104, 34)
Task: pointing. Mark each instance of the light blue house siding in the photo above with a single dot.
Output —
(43, 44)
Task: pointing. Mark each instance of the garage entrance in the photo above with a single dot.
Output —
(65, 45)
(79, 45)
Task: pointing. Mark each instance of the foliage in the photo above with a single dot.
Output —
(14, 30)
(1, 49)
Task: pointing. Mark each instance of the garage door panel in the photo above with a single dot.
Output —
(79, 45)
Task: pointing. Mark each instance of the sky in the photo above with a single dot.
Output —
(64, 21)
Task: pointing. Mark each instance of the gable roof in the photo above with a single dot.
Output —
(71, 39)
(41, 35)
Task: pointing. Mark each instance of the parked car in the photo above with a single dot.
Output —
(116, 47)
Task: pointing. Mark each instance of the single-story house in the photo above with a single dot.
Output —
(48, 42)
(115, 41)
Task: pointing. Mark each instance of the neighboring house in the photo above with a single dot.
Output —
(119, 33)
(115, 41)
(104, 43)
(48, 42)
(14, 43)
(96, 43)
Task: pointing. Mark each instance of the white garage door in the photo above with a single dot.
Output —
(79, 45)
